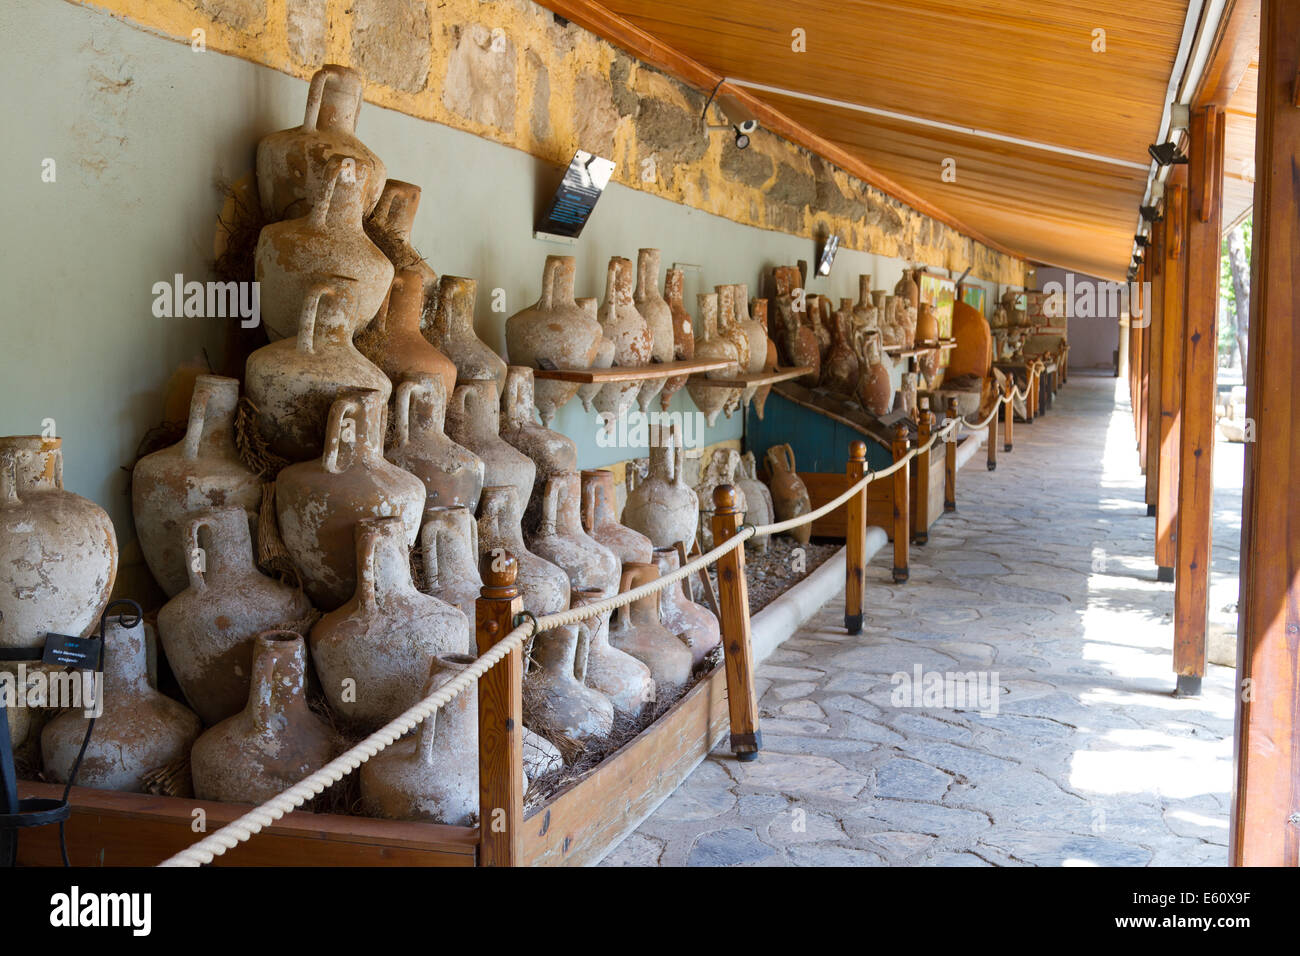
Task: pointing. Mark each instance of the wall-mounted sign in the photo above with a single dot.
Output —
(827, 257)
(575, 197)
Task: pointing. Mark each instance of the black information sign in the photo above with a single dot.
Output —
(64, 650)
(576, 196)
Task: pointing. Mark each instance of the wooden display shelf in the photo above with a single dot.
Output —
(600, 376)
(754, 379)
(899, 352)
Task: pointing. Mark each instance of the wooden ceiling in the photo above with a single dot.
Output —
(1023, 70)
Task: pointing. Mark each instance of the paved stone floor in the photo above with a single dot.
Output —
(1043, 584)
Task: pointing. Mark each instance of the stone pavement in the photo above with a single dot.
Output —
(1042, 584)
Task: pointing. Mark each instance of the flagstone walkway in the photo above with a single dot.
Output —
(1042, 583)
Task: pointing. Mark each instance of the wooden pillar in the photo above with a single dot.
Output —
(1008, 413)
(1154, 312)
(902, 510)
(950, 459)
(855, 540)
(1174, 283)
(924, 429)
(500, 717)
(993, 440)
(1144, 365)
(1200, 360)
(737, 649)
(1266, 805)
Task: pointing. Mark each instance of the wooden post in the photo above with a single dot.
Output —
(1008, 413)
(993, 440)
(500, 717)
(950, 460)
(855, 541)
(738, 652)
(924, 429)
(1153, 310)
(1266, 805)
(1200, 359)
(902, 510)
(1173, 280)
(1143, 319)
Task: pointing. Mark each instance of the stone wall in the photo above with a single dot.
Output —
(509, 71)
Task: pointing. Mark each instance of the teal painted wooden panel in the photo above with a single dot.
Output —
(820, 444)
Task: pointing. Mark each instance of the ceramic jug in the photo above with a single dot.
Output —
(138, 731)
(474, 422)
(789, 496)
(449, 545)
(452, 475)
(292, 165)
(756, 336)
(551, 452)
(865, 317)
(658, 316)
(719, 470)
(274, 741)
(293, 382)
(758, 500)
(758, 309)
(683, 329)
(626, 328)
(840, 373)
(907, 301)
(623, 679)
(390, 226)
(327, 244)
(201, 471)
(795, 340)
(544, 587)
(207, 630)
(393, 340)
(553, 333)
(604, 354)
(318, 502)
(712, 399)
(561, 701)
(663, 507)
(692, 624)
(729, 326)
(452, 333)
(372, 653)
(58, 550)
(637, 630)
(561, 539)
(600, 521)
(874, 390)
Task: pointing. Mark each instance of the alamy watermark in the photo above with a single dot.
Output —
(1087, 298)
(632, 428)
(39, 687)
(208, 300)
(972, 690)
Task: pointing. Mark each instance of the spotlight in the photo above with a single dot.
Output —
(1166, 154)
(1141, 240)
(742, 140)
(1151, 213)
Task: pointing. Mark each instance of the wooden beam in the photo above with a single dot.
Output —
(1153, 293)
(855, 539)
(1266, 805)
(950, 461)
(737, 648)
(500, 717)
(1200, 361)
(1143, 322)
(902, 508)
(1174, 284)
(921, 506)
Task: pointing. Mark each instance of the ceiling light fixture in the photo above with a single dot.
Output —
(1166, 154)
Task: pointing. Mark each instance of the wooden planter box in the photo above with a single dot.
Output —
(577, 826)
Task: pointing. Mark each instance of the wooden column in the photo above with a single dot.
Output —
(902, 509)
(738, 651)
(1200, 360)
(1153, 310)
(1008, 413)
(1174, 283)
(993, 441)
(855, 540)
(1266, 806)
(924, 429)
(950, 460)
(1144, 365)
(500, 717)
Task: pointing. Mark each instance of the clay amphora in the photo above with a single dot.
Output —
(719, 470)
(58, 550)
(452, 333)
(139, 730)
(604, 354)
(756, 335)
(207, 630)
(600, 521)
(553, 333)
(452, 475)
(730, 328)
(658, 316)
(432, 773)
(201, 471)
(372, 653)
(683, 330)
(544, 587)
(293, 382)
(393, 341)
(449, 544)
(474, 422)
(795, 340)
(907, 390)
(692, 624)
(327, 244)
(927, 332)
(394, 218)
(789, 496)
(712, 399)
(663, 507)
(626, 328)
(623, 679)
(907, 302)
(292, 165)
(758, 500)
(758, 308)
(562, 702)
(840, 372)
(561, 539)
(874, 390)
(551, 452)
(274, 741)
(865, 316)
(318, 502)
(637, 630)
(819, 320)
